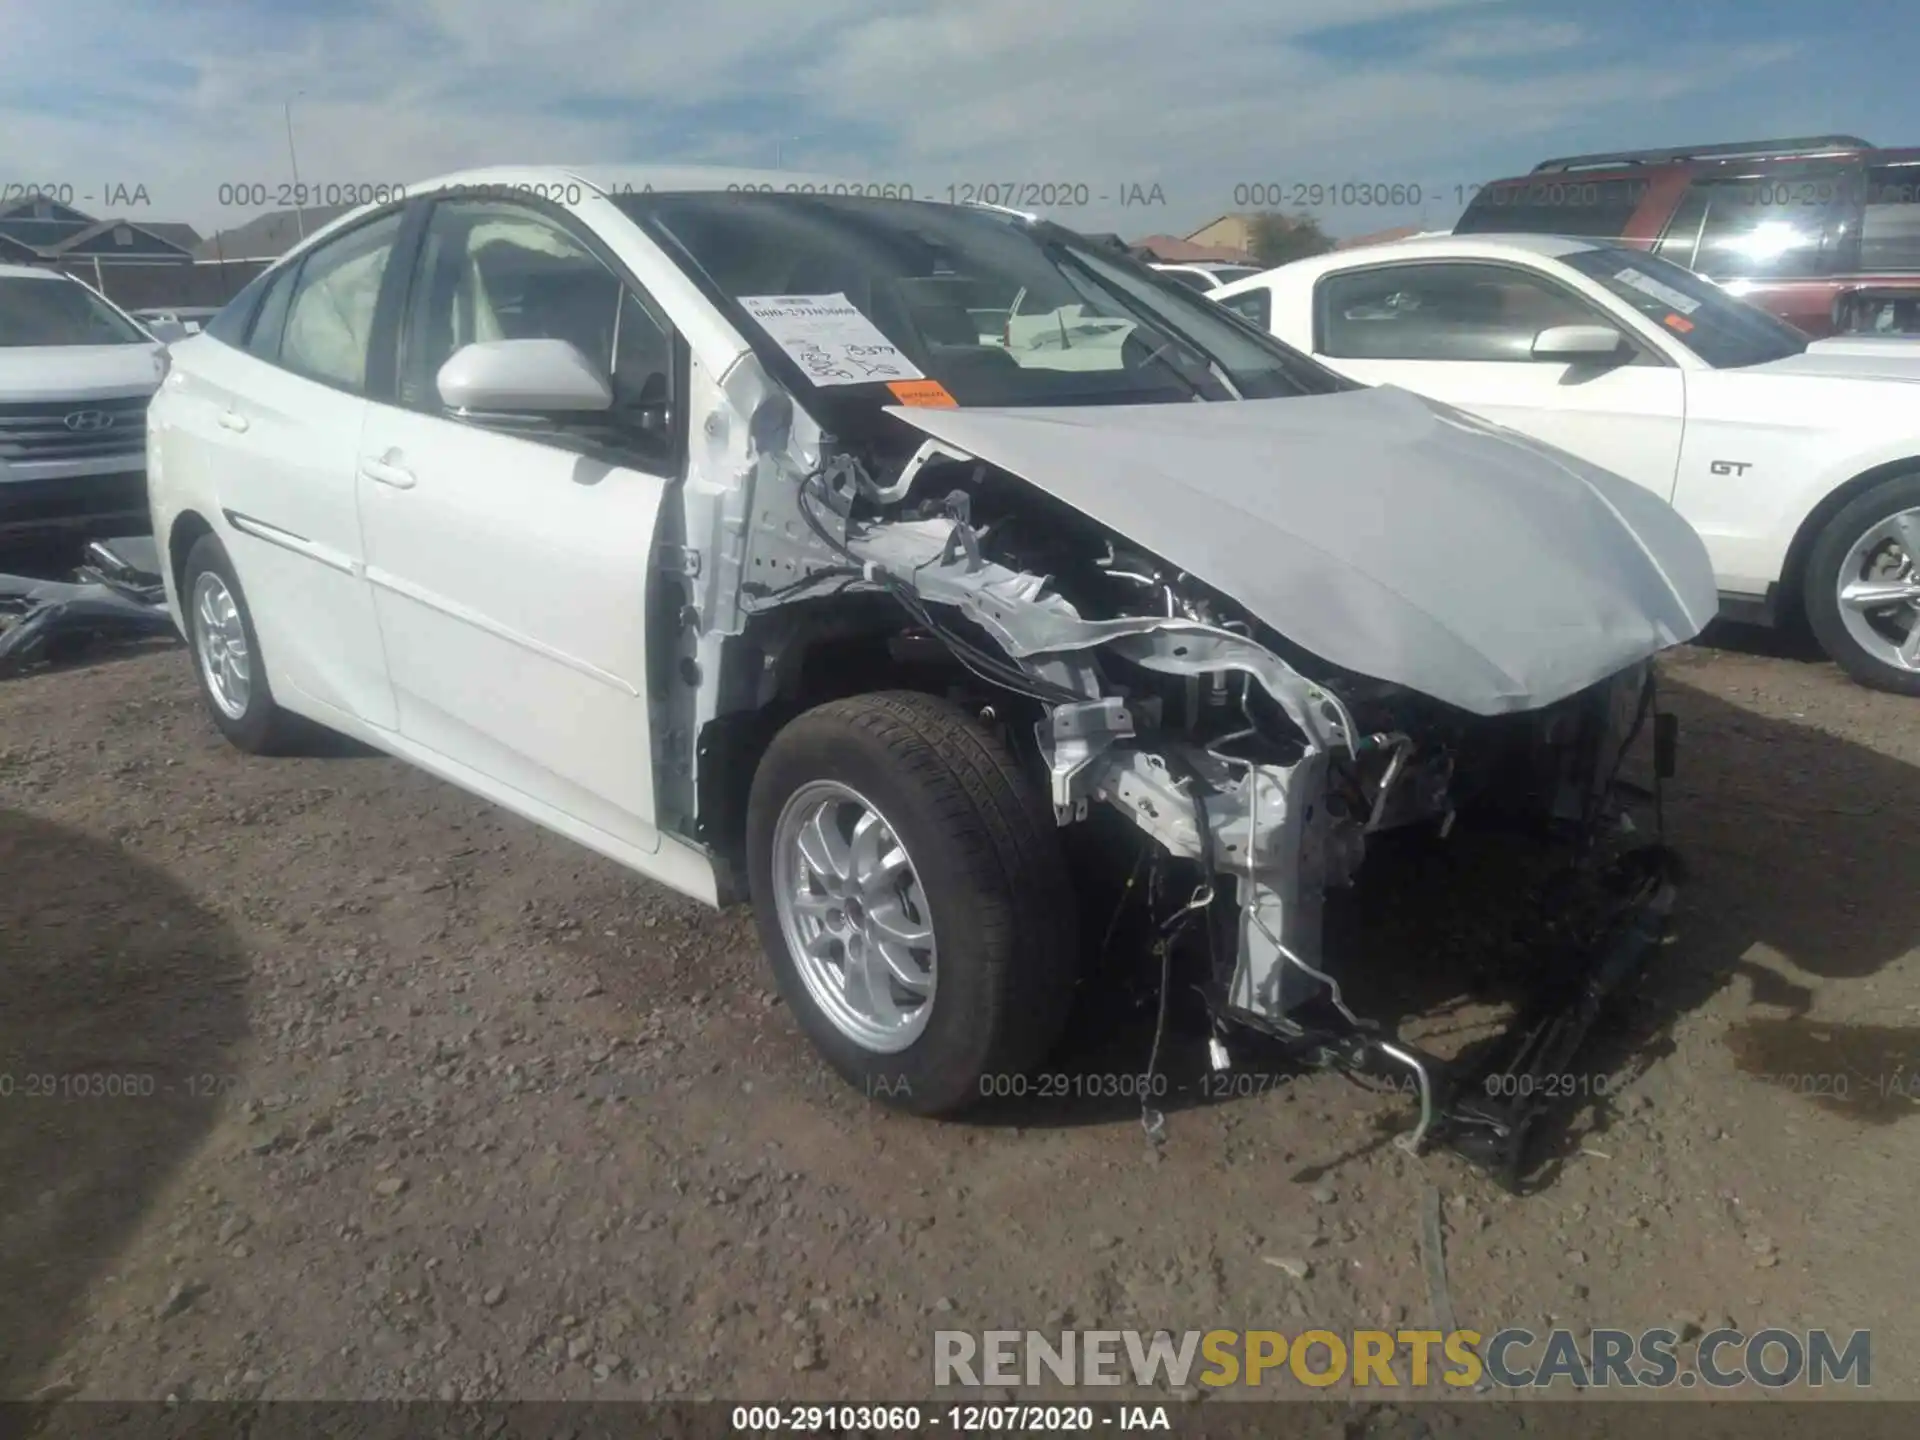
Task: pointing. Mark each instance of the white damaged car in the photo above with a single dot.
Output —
(1797, 460)
(692, 522)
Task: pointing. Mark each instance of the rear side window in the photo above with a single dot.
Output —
(330, 318)
(1757, 228)
(229, 326)
(1255, 305)
(263, 339)
(1553, 205)
(1890, 224)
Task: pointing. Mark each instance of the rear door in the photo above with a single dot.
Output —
(509, 562)
(273, 423)
(1463, 332)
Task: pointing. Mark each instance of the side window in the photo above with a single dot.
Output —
(1681, 241)
(330, 315)
(1255, 305)
(1773, 227)
(492, 270)
(1890, 224)
(270, 322)
(1442, 312)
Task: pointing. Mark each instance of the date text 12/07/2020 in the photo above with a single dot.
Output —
(1057, 194)
(960, 1419)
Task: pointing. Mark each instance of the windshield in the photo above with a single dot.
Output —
(948, 305)
(1725, 332)
(35, 311)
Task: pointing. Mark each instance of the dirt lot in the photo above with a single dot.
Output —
(430, 1103)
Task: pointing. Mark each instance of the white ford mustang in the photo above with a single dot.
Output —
(1797, 461)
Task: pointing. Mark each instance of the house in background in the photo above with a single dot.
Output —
(269, 236)
(40, 230)
(138, 264)
(1177, 250)
(1381, 237)
(1227, 232)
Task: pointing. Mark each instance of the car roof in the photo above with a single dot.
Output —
(1463, 247)
(626, 178)
(615, 180)
(30, 272)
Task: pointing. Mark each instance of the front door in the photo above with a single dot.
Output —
(509, 561)
(1462, 332)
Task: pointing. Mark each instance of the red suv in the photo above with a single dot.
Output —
(1822, 231)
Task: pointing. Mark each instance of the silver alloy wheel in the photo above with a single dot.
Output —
(220, 640)
(854, 916)
(1880, 591)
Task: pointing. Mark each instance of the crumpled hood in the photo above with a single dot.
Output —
(1387, 534)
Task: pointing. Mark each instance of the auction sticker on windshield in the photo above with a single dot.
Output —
(1673, 299)
(829, 339)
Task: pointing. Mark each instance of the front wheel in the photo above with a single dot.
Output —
(911, 894)
(1863, 587)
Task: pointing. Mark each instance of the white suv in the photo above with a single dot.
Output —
(76, 373)
(706, 526)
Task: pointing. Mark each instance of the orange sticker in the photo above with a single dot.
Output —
(927, 393)
(1678, 322)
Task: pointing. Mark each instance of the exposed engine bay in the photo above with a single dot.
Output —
(1257, 772)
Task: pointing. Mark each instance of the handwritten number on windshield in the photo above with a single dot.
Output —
(821, 363)
(883, 366)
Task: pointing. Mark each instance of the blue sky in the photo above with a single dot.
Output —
(187, 97)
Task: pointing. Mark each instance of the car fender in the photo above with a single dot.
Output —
(1765, 457)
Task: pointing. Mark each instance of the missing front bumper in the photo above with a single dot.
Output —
(1489, 1107)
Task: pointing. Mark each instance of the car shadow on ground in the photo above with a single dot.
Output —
(1789, 641)
(122, 1001)
(1799, 848)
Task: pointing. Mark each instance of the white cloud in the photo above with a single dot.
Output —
(188, 96)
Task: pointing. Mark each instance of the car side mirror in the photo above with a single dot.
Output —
(168, 332)
(523, 377)
(1576, 343)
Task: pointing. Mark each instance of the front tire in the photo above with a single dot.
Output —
(226, 654)
(912, 897)
(1863, 587)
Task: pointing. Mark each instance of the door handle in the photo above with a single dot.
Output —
(233, 420)
(382, 473)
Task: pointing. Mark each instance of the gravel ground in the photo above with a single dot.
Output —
(428, 1103)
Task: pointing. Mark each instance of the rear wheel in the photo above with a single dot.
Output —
(226, 653)
(1863, 587)
(912, 897)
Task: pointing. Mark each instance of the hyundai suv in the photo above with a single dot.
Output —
(76, 373)
(1823, 231)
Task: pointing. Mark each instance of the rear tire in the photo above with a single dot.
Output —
(1873, 541)
(967, 858)
(233, 678)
